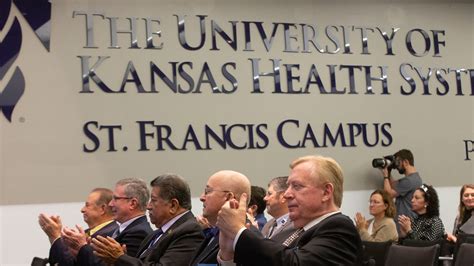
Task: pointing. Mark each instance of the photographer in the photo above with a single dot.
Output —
(402, 190)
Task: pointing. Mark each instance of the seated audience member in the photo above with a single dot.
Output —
(427, 225)
(221, 187)
(382, 227)
(464, 222)
(128, 204)
(277, 208)
(324, 236)
(257, 206)
(178, 234)
(97, 215)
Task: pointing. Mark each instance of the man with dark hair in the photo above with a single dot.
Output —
(402, 190)
(324, 236)
(128, 206)
(257, 206)
(277, 208)
(178, 234)
(97, 215)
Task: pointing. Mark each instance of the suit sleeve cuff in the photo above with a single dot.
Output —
(236, 239)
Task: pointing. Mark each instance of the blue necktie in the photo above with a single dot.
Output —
(158, 232)
(210, 232)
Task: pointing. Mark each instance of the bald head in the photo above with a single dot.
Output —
(221, 187)
(232, 181)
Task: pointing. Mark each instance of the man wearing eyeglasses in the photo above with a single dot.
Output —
(128, 204)
(221, 187)
(277, 208)
(178, 234)
(324, 236)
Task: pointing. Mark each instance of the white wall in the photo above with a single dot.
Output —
(22, 239)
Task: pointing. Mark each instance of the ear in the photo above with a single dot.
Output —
(229, 196)
(252, 209)
(328, 191)
(103, 208)
(282, 198)
(133, 203)
(174, 205)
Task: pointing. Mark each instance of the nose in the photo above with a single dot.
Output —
(83, 209)
(202, 198)
(288, 194)
(148, 206)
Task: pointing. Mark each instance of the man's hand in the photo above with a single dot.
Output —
(230, 220)
(75, 239)
(226, 246)
(51, 225)
(107, 249)
(231, 217)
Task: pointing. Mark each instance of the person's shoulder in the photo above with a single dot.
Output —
(337, 219)
(141, 224)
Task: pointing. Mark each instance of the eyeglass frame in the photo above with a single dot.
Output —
(208, 190)
(119, 198)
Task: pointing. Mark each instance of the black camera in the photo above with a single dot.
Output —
(387, 161)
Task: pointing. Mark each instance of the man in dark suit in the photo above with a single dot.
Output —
(324, 236)
(221, 187)
(178, 234)
(128, 204)
(97, 215)
(277, 208)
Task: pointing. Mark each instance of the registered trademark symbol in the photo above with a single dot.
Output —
(22, 119)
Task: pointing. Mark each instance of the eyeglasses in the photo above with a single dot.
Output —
(275, 192)
(119, 198)
(208, 190)
(375, 202)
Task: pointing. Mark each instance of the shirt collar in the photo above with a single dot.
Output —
(168, 224)
(123, 226)
(282, 219)
(318, 220)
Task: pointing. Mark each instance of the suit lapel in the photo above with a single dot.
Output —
(207, 249)
(137, 221)
(164, 238)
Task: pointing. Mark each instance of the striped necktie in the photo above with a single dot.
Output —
(292, 237)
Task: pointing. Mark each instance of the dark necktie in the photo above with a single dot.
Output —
(211, 232)
(158, 232)
(116, 232)
(292, 237)
(272, 229)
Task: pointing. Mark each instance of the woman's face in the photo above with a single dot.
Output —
(418, 202)
(468, 198)
(376, 205)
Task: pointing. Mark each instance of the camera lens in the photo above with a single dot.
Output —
(378, 163)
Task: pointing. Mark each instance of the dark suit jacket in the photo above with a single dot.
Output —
(175, 247)
(58, 253)
(334, 241)
(132, 236)
(207, 252)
